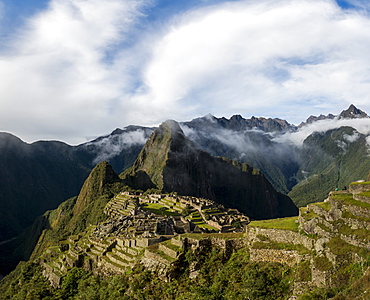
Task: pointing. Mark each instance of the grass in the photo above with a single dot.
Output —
(171, 246)
(323, 227)
(322, 263)
(324, 205)
(348, 199)
(360, 233)
(282, 223)
(207, 226)
(357, 203)
(304, 271)
(340, 247)
(159, 209)
(348, 215)
(154, 248)
(307, 215)
(356, 183)
(339, 196)
(224, 236)
(365, 194)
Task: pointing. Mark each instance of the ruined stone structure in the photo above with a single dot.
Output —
(330, 235)
(134, 234)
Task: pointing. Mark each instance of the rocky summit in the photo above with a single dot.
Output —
(184, 222)
(174, 164)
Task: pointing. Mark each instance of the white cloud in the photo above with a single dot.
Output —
(361, 125)
(253, 56)
(83, 67)
(351, 138)
(112, 145)
(56, 80)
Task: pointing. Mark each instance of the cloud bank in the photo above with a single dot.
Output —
(112, 145)
(361, 125)
(82, 67)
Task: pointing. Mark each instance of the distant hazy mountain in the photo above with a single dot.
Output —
(351, 113)
(37, 177)
(249, 141)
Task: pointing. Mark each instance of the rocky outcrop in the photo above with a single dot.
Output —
(99, 177)
(352, 113)
(174, 164)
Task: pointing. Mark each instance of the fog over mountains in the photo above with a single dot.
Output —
(304, 161)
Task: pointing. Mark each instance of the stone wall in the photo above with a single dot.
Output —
(357, 188)
(168, 251)
(361, 198)
(357, 211)
(155, 257)
(279, 236)
(272, 255)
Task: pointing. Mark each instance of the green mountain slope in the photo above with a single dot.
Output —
(331, 160)
(71, 217)
(34, 178)
(174, 164)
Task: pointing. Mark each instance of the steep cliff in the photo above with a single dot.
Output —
(174, 164)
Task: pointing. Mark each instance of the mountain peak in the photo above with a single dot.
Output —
(171, 126)
(167, 138)
(173, 164)
(99, 177)
(352, 113)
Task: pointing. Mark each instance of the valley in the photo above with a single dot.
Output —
(189, 195)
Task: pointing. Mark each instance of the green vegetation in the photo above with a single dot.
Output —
(365, 194)
(322, 263)
(340, 247)
(328, 165)
(360, 183)
(219, 278)
(361, 234)
(281, 246)
(159, 209)
(224, 236)
(290, 223)
(306, 214)
(324, 205)
(323, 227)
(303, 271)
(348, 215)
(348, 200)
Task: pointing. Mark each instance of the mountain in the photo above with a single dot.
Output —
(174, 164)
(238, 123)
(352, 112)
(39, 176)
(248, 141)
(138, 252)
(292, 169)
(70, 217)
(333, 159)
(34, 178)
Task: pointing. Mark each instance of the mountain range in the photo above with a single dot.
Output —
(39, 176)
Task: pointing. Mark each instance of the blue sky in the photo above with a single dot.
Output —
(74, 69)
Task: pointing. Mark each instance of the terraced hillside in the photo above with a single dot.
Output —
(322, 253)
(140, 229)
